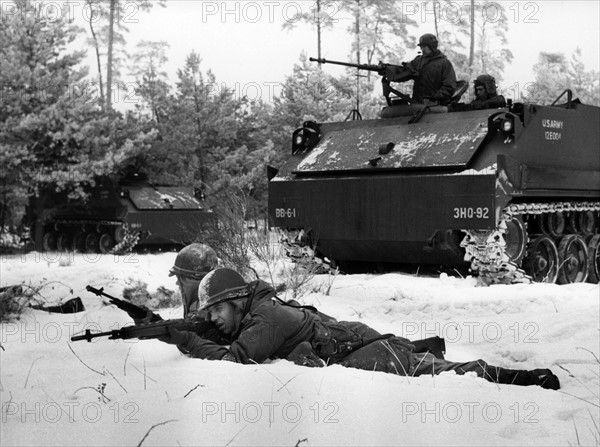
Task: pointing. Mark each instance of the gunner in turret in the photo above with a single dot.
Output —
(432, 72)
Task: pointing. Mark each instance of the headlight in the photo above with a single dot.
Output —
(306, 137)
(507, 125)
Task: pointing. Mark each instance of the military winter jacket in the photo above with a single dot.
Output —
(271, 329)
(435, 78)
(493, 102)
(268, 330)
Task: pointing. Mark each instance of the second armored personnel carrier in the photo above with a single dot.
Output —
(117, 214)
(514, 193)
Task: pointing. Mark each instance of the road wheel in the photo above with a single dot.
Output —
(78, 242)
(587, 222)
(91, 242)
(542, 221)
(556, 223)
(106, 243)
(63, 242)
(541, 262)
(593, 245)
(49, 241)
(573, 259)
(516, 239)
(120, 233)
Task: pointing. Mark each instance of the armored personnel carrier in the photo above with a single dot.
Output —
(117, 214)
(512, 193)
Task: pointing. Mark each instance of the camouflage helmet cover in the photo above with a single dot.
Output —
(428, 40)
(194, 260)
(221, 285)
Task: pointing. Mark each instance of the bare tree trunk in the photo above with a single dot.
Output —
(435, 20)
(358, 55)
(3, 207)
(111, 33)
(472, 46)
(357, 31)
(199, 134)
(97, 48)
(319, 30)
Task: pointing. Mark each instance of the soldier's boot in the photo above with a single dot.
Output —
(547, 379)
(542, 377)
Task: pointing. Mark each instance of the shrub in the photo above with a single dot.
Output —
(12, 303)
(137, 293)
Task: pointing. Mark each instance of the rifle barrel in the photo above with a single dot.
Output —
(89, 335)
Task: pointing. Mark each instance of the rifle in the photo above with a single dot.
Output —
(397, 73)
(156, 329)
(135, 312)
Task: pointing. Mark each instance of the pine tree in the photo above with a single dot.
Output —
(151, 79)
(554, 73)
(585, 84)
(51, 132)
(473, 36)
(379, 30)
(321, 16)
(107, 22)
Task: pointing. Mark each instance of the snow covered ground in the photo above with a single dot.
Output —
(55, 392)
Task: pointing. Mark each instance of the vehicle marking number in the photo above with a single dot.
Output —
(282, 213)
(467, 212)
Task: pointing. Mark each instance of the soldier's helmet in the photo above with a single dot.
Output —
(488, 82)
(221, 285)
(194, 261)
(428, 40)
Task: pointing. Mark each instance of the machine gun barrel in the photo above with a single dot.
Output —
(368, 67)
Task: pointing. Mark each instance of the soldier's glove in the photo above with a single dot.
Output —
(148, 318)
(304, 355)
(439, 96)
(175, 337)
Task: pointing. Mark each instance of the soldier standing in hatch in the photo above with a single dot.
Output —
(432, 72)
(261, 327)
(486, 96)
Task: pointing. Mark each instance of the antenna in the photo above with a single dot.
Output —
(355, 113)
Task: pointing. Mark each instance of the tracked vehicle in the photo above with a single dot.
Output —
(117, 214)
(512, 193)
